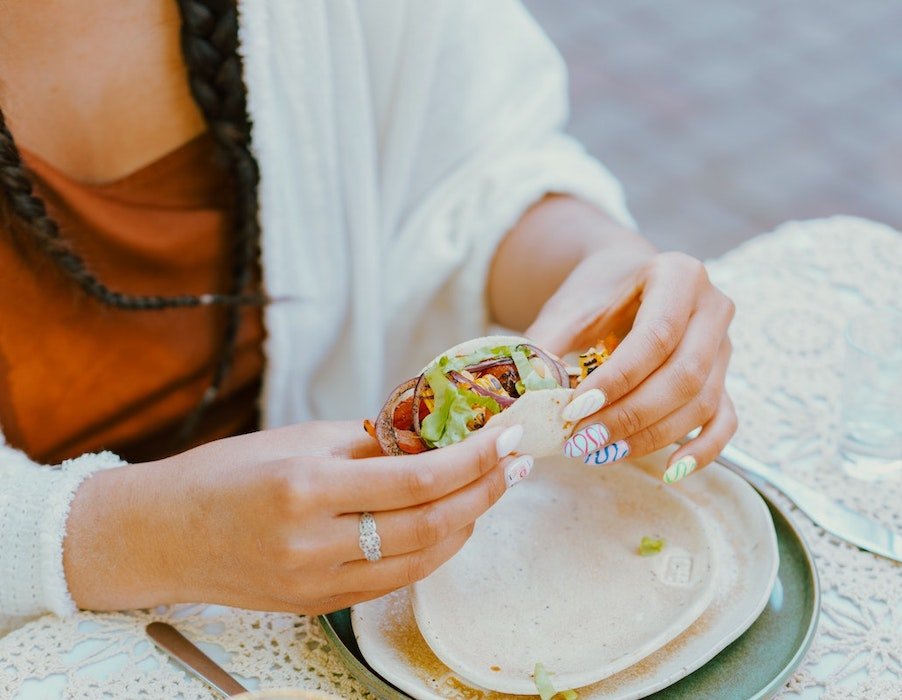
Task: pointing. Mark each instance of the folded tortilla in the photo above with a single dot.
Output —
(538, 410)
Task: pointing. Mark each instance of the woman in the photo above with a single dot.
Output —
(405, 182)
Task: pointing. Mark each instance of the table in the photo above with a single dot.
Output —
(793, 288)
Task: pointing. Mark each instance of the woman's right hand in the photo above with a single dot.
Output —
(269, 521)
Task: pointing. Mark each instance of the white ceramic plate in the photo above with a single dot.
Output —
(552, 574)
(744, 545)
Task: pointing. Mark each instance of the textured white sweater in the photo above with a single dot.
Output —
(398, 141)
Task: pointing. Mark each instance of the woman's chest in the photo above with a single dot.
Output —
(77, 375)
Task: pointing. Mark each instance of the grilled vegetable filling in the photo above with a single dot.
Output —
(457, 395)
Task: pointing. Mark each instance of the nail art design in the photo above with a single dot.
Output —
(508, 440)
(589, 439)
(583, 405)
(609, 453)
(680, 469)
(518, 470)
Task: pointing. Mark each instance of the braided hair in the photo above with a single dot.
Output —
(209, 42)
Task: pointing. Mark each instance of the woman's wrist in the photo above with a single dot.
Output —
(547, 244)
(122, 549)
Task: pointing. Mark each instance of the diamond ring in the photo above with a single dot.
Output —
(370, 542)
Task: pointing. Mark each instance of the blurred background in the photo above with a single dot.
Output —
(724, 118)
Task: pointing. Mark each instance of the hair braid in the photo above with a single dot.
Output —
(209, 39)
(210, 45)
(25, 211)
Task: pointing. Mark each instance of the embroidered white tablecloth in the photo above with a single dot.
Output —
(794, 289)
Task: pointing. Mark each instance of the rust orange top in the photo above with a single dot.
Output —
(77, 375)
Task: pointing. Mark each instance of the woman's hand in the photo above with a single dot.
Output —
(270, 520)
(665, 378)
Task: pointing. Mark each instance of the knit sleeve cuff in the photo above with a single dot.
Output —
(56, 513)
(33, 516)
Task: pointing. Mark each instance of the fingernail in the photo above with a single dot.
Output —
(518, 470)
(583, 405)
(508, 440)
(589, 439)
(680, 469)
(609, 453)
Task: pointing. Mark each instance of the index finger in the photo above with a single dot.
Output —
(389, 483)
(667, 305)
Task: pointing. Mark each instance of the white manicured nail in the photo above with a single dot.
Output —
(583, 405)
(518, 470)
(508, 440)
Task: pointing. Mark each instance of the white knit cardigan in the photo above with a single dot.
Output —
(398, 141)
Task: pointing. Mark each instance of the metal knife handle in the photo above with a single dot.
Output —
(180, 648)
(737, 459)
(834, 517)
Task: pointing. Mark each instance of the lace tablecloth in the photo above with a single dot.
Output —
(795, 289)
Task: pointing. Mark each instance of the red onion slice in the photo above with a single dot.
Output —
(556, 367)
(488, 364)
(385, 429)
(503, 401)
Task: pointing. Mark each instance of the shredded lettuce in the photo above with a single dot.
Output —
(455, 406)
(546, 689)
(486, 402)
(650, 546)
(530, 379)
(543, 683)
(454, 409)
(528, 376)
(475, 357)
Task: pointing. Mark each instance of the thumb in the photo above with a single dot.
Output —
(561, 330)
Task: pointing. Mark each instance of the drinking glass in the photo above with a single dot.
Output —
(871, 440)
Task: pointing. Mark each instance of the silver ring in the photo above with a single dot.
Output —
(370, 542)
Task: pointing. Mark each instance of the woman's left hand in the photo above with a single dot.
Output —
(666, 376)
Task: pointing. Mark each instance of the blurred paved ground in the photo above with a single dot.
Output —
(724, 118)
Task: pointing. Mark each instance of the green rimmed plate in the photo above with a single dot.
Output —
(755, 665)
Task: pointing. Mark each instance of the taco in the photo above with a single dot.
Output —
(495, 381)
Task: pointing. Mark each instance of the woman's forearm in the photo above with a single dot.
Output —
(118, 552)
(541, 250)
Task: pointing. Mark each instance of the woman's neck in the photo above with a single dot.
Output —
(95, 88)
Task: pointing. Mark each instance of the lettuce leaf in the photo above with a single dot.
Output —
(545, 687)
(435, 426)
(543, 683)
(649, 546)
(458, 363)
(455, 407)
(528, 376)
(486, 402)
